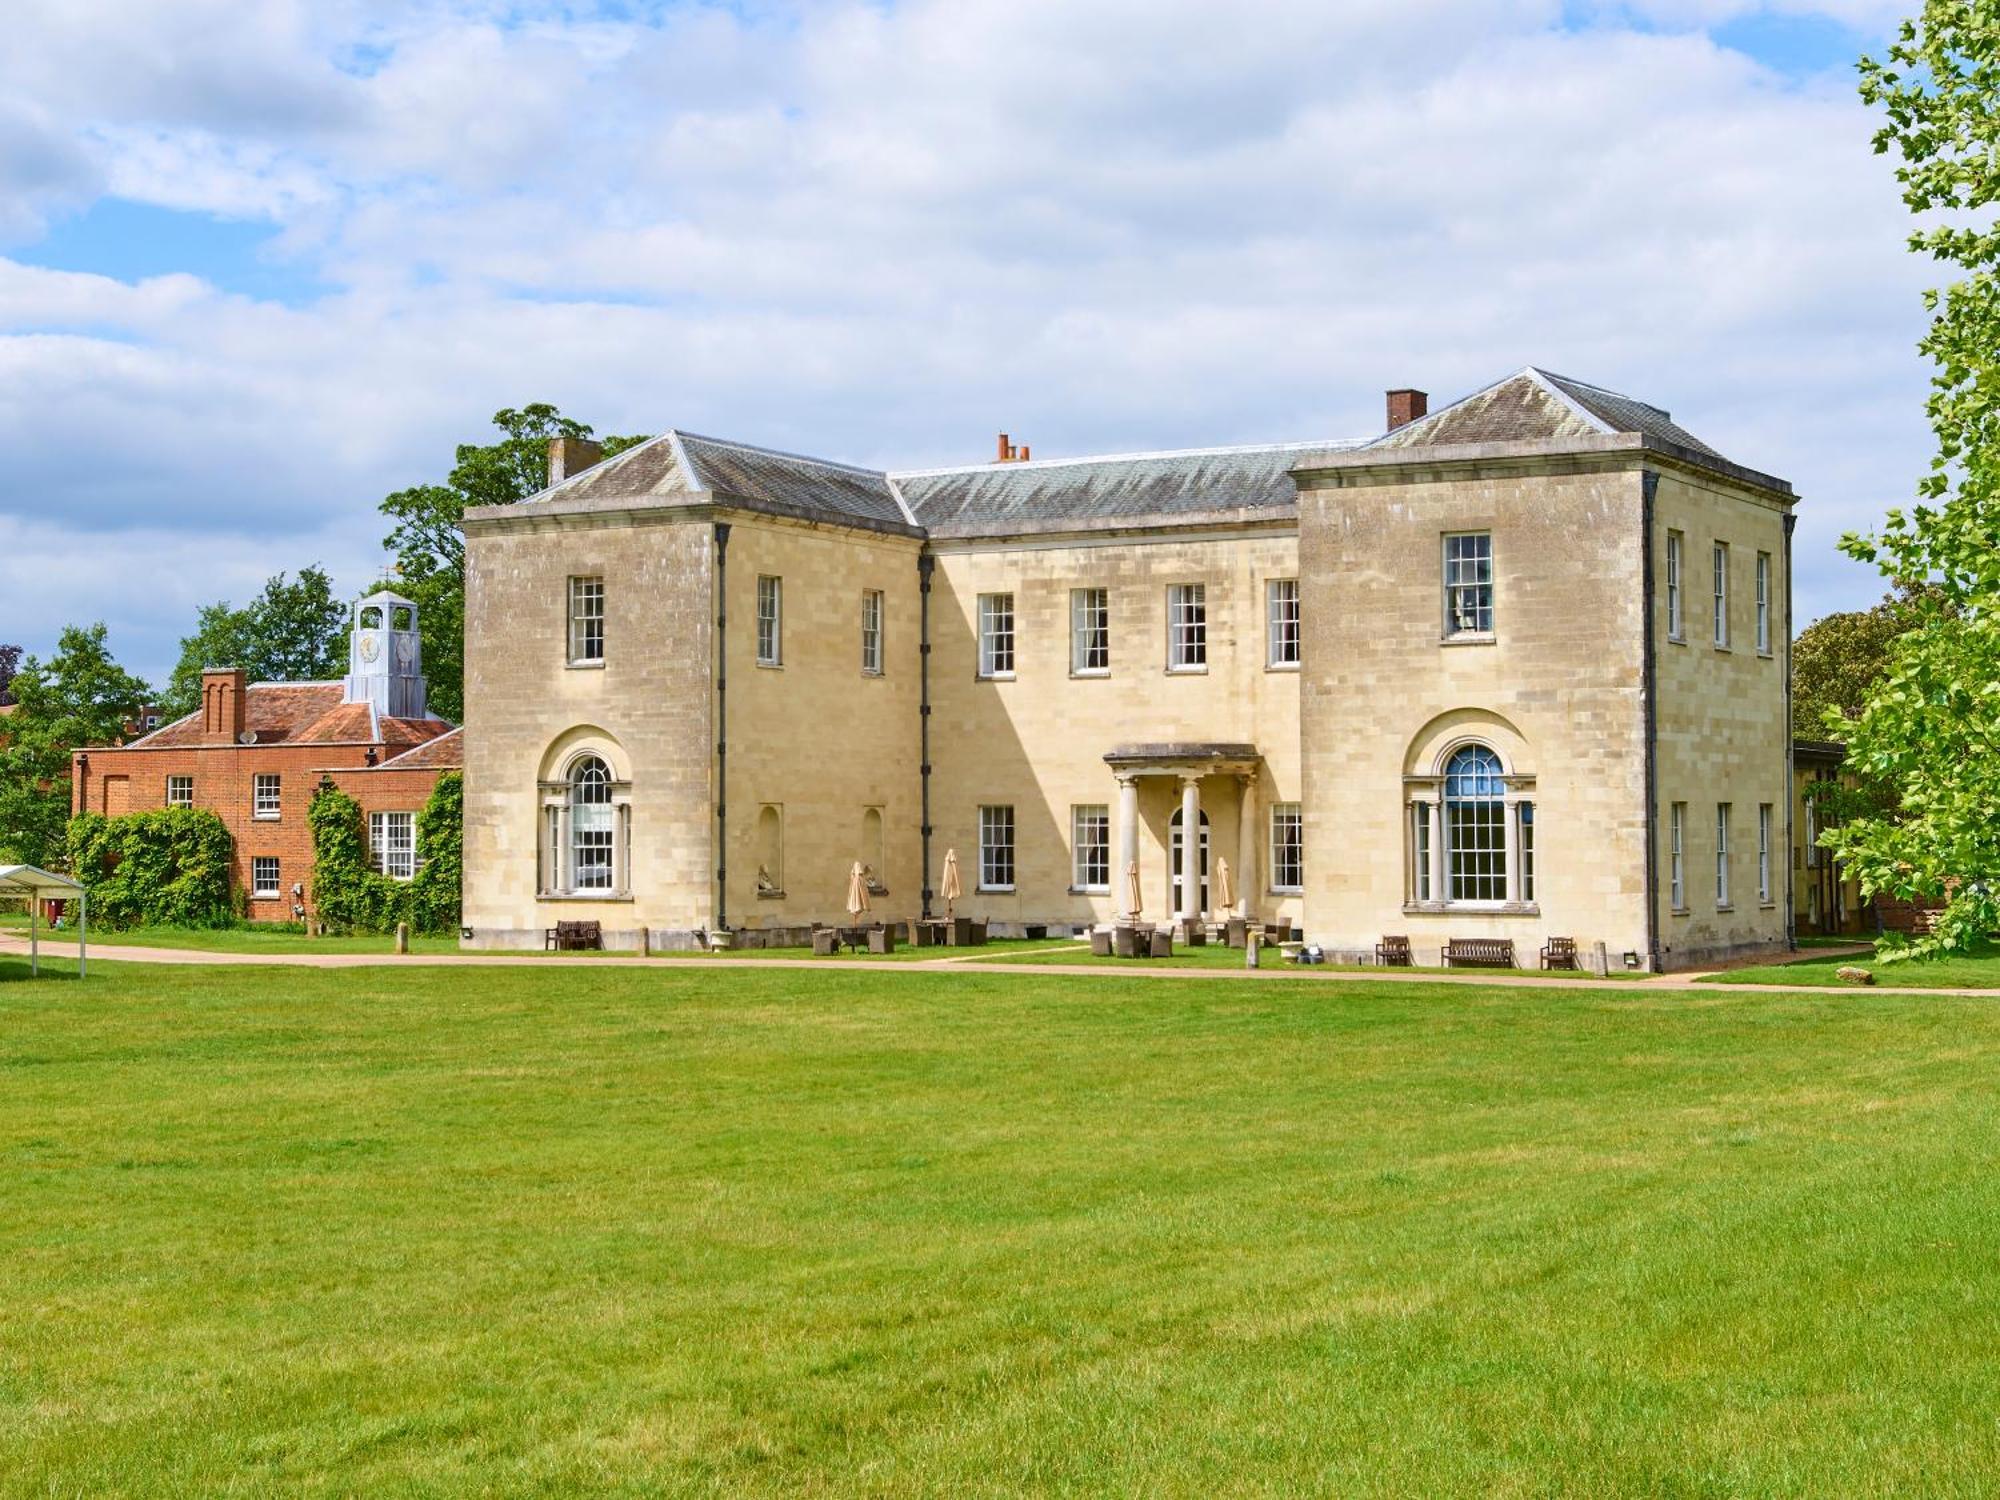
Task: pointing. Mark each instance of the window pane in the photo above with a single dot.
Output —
(586, 619)
(871, 632)
(1282, 618)
(264, 877)
(1721, 594)
(1090, 832)
(1287, 847)
(265, 795)
(591, 829)
(996, 847)
(1674, 584)
(770, 602)
(1527, 851)
(1475, 826)
(1468, 583)
(1089, 630)
(996, 635)
(1187, 626)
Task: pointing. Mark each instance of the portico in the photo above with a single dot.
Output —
(1186, 765)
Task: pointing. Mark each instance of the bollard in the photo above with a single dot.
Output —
(402, 937)
(645, 941)
(1250, 948)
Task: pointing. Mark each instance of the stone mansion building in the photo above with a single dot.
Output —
(1515, 668)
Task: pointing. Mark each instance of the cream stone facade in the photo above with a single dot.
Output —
(1424, 684)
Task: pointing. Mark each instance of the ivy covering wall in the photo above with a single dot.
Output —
(168, 868)
(348, 896)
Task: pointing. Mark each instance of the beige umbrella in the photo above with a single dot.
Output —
(949, 888)
(1225, 888)
(1132, 896)
(857, 891)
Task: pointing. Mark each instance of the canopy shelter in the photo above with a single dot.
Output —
(39, 886)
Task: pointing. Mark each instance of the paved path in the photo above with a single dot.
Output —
(1279, 973)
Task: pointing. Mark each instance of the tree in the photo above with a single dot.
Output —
(294, 631)
(1930, 729)
(430, 553)
(10, 663)
(1837, 661)
(79, 697)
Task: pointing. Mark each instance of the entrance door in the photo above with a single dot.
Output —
(1177, 845)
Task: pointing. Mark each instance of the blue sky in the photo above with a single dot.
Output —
(261, 264)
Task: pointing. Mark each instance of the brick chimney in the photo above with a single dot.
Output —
(1007, 453)
(1406, 406)
(570, 455)
(222, 705)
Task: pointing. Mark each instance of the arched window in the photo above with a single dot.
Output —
(587, 827)
(592, 830)
(1475, 826)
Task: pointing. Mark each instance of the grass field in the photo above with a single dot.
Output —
(270, 940)
(1973, 971)
(541, 1231)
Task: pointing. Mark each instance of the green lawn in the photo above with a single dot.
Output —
(231, 939)
(723, 1231)
(1974, 971)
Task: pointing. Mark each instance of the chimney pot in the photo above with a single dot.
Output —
(1003, 451)
(569, 456)
(1406, 406)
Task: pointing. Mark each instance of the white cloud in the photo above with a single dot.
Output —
(883, 233)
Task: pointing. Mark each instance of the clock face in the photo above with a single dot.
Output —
(406, 650)
(370, 648)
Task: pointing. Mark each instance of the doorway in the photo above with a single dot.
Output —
(1177, 845)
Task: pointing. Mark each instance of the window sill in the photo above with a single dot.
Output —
(1201, 671)
(1767, 906)
(1098, 672)
(871, 671)
(1725, 906)
(1286, 890)
(1281, 666)
(993, 677)
(771, 666)
(1471, 909)
(267, 817)
(770, 895)
(1470, 638)
(1676, 640)
(1764, 653)
(625, 896)
(1090, 890)
(1680, 911)
(596, 665)
(1725, 649)
(993, 890)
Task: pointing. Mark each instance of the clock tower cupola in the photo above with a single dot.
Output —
(385, 659)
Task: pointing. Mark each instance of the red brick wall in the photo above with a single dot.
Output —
(222, 784)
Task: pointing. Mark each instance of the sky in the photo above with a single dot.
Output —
(263, 262)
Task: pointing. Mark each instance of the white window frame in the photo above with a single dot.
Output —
(1288, 848)
(180, 791)
(1677, 851)
(1282, 623)
(1421, 814)
(1723, 813)
(259, 891)
(996, 636)
(1764, 853)
(586, 621)
(392, 844)
(770, 620)
(267, 796)
(1090, 632)
(1523, 828)
(1763, 604)
(996, 847)
(1187, 627)
(1468, 576)
(1721, 557)
(1676, 622)
(1090, 847)
(871, 632)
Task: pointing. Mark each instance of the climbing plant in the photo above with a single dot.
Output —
(350, 896)
(168, 868)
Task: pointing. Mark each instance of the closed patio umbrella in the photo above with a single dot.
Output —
(857, 891)
(949, 887)
(1134, 905)
(1225, 887)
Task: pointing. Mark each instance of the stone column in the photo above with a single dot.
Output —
(1247, 829)
(1128, 843)
(1435, 812)
(1190, 850)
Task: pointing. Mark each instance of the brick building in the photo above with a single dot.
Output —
(254, 753)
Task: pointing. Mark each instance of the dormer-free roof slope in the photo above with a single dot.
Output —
(1533, 405)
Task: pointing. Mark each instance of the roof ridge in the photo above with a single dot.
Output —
(804, 458)
(1313, 445)
(1601, 390)
(331, 682)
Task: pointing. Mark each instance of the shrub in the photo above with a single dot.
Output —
(168, 868)
(351, 897)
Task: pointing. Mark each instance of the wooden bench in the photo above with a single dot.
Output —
(1559, 953)
(1479, 953)
(1394, 953)
(570, 936)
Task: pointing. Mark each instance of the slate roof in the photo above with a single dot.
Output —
(1045, 494)
(1210, 484)
(1533, 404)
(301, 713)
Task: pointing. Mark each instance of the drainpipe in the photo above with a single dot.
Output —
(1649, 483)
(926, 565)
(722, 726)
(1791, 902)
